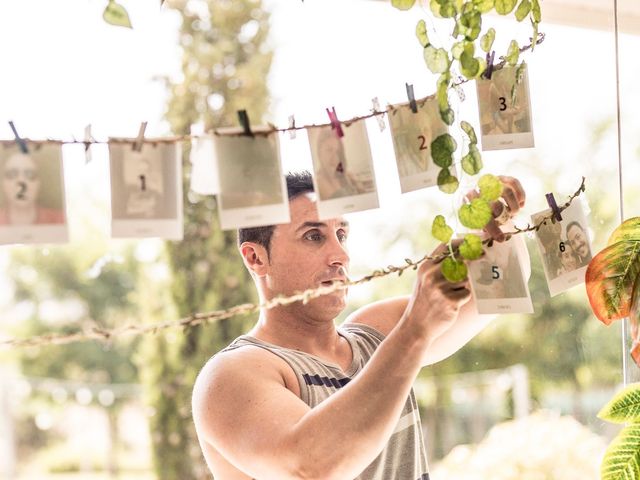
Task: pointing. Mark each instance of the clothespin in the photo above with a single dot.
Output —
(489, 70)
(88, 139)
(335, 123)
(376, 111)
(21, 143)
(137, 145)
(292, 127)
(412, 98)
(554, 206)
(243, 117)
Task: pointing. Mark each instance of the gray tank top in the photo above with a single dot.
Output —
(404, 457)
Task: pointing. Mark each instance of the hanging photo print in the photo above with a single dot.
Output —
(498, 281)
(344, 179)
(505, 111)
(412, 136)
(204, 172)
(146, 190)
(253, 191)
(564, 247)
(32, 204)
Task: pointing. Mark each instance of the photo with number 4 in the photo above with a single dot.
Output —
(505, 111)
(498, 281)
(412, 136)
(344, 179)
(146, 190)
(32, 201)
(565, 247)
(253, 191)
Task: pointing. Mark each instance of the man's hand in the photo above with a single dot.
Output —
(436, 302)
(510, 203)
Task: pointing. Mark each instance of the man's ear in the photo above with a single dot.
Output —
(255, 258)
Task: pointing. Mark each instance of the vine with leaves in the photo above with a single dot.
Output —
(455, 65)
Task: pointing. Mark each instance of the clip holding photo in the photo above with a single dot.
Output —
(335, 123)
(411, 97)
(554, 207)
(243, 118)
(19, 140)
(137, 145)
(489, 70)
(378, 114)
(292, 127)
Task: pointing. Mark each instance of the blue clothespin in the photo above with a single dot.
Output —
(21, 143)
(554, 206)
(243, 117)
(335, 123)
(412, 98)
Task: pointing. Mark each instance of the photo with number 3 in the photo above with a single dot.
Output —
(412, 137)
(498, 282)
(505, 112)
(32, 201)
(146, 190)
(564, 247)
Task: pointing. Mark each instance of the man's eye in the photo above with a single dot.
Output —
(313, 236)
(342, 236)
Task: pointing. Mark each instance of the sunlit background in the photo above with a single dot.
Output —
(518, 402)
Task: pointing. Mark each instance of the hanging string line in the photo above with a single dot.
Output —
(259, 132)
(96, 333)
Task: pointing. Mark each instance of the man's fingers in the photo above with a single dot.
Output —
(517, 188)
(493, 229)
(509, 196)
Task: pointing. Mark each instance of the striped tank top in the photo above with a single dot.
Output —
(404, 457)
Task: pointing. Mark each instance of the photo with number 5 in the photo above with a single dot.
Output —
(504, 105)
(146, 190)
(412, 137)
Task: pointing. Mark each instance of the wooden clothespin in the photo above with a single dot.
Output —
(335, 123)
(554, 206)
(137, 145)
(19, 140)
(412, 98)
(292, 127)
(378, 113)
(88, 140)
(243, 117)
(489, 70)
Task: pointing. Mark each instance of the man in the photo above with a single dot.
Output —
(579, 241)
(298, 397)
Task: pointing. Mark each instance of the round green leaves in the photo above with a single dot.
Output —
(440, 230)
(475, 214)
(403, 4)
(453, 270)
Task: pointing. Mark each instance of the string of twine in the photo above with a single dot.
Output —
(263, 131)
(96, 333)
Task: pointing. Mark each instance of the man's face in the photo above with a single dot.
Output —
(578, 241)
(20, 180)
(308, 253)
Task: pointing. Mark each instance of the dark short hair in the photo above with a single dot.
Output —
(573, 224)
(297, 184)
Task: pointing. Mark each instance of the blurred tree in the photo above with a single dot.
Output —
(225, 65)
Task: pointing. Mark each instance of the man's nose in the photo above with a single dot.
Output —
(339, 255)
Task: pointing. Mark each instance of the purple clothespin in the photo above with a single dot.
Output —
(335, 123)
(21, 143)
(489, 70)
(554, 206)
(412, 98)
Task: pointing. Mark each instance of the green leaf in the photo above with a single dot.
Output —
(476, 214)
(448, 116)
(453, 270)
(523, 10)
(457, 49)
(471, 23)
(435, 8)
(486, 41)
(513, 53)
(471, 247)
(442, 149)
(469, 66)
(504, 7)
(472, 161)
(403, 4)
(490, 187)
(624, 406)
(469, 130)
(484, 6)
(447, 183)
(534, 35)
(116, 14)
(436, 59)
(612, 273)
(440, 230)
(421, 33)
(622, 458)
(535, 11)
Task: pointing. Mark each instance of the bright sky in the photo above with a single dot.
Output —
(65, 68)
